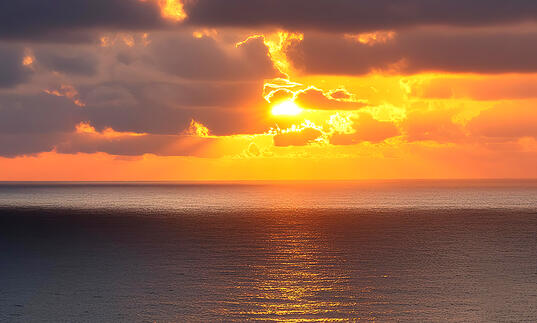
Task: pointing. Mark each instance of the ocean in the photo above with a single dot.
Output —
(385, 251)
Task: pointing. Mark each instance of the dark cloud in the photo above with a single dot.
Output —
(13, 145)
(120, 144)
(415, 51)
(66, 20)
(163, 120)
(168, 108)
(366, 129)
(172, 95)
(162, 145)
(41, 113)
(358, 15)
(69, 62)
(12, 72)
(203, 59)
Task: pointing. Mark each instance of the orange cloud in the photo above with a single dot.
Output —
(317, 99)
(27, 60)
(127, 39)
(206, 32)
(435, 125)
(198, 92)
(477, 87)
(372, 38)
(197, 129)
(67, 91)
(507, 120)
(171, 9)
(310, 97)
(341, 94)
(86, 129)
(300, 137)
(365, 128)
(195, 141)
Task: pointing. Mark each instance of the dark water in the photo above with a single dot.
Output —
(413, 251)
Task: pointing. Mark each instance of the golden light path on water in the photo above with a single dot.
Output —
(303, 279)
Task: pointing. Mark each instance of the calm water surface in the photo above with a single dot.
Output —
(416, 251)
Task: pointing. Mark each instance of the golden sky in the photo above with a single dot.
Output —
(244, 90)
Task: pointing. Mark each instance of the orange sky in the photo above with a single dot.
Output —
(191, 99)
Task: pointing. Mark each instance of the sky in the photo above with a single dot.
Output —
(101, 90)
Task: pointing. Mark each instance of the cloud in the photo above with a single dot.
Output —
(12, 70)
(366, 128)
(76, 20)
(340, 94)
(70, 62)
(41, 113)
(167, 108)
(300, 137)
(345, 15)
(84, 138)
(507, 121)
(193, 142)
(204, 59)
(13, 145)
(419, 50)
(253, 150)
(142, 96)
(152, 76)
(68, 20)
(491, 87)
(313, 98)
(132, 145)
(432, 124)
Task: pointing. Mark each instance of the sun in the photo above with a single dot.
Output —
(287, 108)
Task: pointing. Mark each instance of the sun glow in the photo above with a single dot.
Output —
(286, 108)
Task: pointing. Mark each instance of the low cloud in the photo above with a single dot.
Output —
(507, 121)
(365, 128)
(299, 137)
(434, 125)
(313, 98)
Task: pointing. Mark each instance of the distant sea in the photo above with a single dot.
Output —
(386, 251)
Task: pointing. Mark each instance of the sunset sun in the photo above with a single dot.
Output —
(286, 108)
